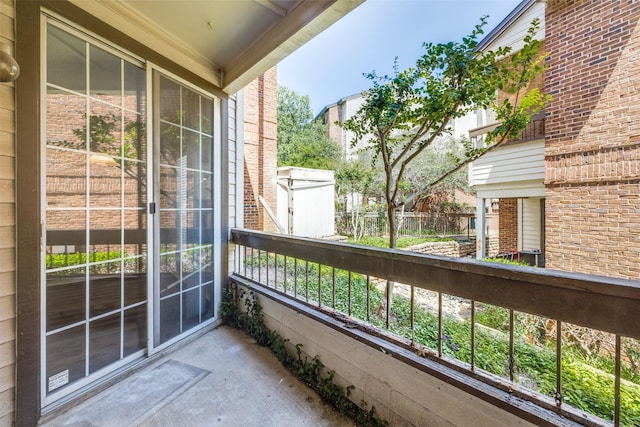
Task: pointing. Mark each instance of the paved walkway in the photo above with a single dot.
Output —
(220, 379)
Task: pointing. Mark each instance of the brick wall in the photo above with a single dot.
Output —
(592, 150)
(508, 225)
(260, 150)
(334, 131)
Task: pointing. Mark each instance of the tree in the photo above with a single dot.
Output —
(353, 179)
(407, 112)
(302, 141)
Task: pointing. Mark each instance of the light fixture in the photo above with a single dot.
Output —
(9, 68)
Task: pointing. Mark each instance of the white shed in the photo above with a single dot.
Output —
(306, 204)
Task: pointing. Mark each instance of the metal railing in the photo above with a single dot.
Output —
(567, 342)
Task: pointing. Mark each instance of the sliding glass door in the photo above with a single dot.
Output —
(184, 133)
(129, 226)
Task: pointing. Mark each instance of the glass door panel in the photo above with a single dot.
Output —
(95, 279)
(185, 194)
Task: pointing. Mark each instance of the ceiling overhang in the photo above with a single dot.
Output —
(227, 42)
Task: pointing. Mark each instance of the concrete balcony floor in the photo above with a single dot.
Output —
(219, 379)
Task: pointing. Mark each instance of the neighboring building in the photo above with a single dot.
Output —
(339, 112)
(260, 150)
(121, 172)
(570, 188)
(513, 173)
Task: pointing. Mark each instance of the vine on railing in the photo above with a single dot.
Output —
(312, 373)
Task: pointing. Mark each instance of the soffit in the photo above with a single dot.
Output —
(230, 42)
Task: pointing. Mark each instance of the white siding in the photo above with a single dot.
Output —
(517, 162)
(514, 35)
(531, 224)
(7, 228)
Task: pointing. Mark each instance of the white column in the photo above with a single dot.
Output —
(481, 247)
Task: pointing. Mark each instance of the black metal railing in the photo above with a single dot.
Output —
(568, 342)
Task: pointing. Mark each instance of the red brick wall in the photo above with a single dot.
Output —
(592, 150)
(260, 150)
(508, 225)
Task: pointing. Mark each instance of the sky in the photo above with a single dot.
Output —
(331, 65)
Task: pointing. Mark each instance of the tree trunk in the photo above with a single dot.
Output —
(384, 309)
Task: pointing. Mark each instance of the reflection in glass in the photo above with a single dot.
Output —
(191, 149)
(170, 318)
(104, 233)
(66, 238)
(190, 309)
(104, 342)
(206, 182)
(135, 231)
(190, 269)
(206, 254)
(65, 298)
(66, 179)
(135, 88)
(206, 153)
(190, 231)
(72, 131)
(135, 285)
(190, 109)
(168, 234)
(135, 184)
(135, 329)
(105, 185)
(105, 129)
(66, 352)
(193, 190)
(104, 288)
(170, 105)
(168, 187)
(135, 143)
(66, 57)
(207, 117)
(206, 301)
(105, 75)
(169, 274)
(169, 144)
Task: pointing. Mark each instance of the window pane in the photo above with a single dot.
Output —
(135, 329)
(190, 109)
(66, 120)
(104, 234)
(190, 309)
(105, 129)
(135, 88)
(66, 179)
(65, 298)
(135, 141)
(169, 274)
(66, 56)
(104, 342)
(206, 153)
(104, 288)
(191, 149)
(169, 318)
(66, 238)
(105, 75)
(170, 105)
(169, 144)
(66, 354)
(207, 116)
(135, 184)
(168, 230)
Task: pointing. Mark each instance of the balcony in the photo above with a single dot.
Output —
(462, 342)
(533, 131)
(516, 344)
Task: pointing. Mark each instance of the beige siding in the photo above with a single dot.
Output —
(7, 228)
(518, 162)
(531, 224)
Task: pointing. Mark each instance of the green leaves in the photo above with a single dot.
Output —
(302, 141)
